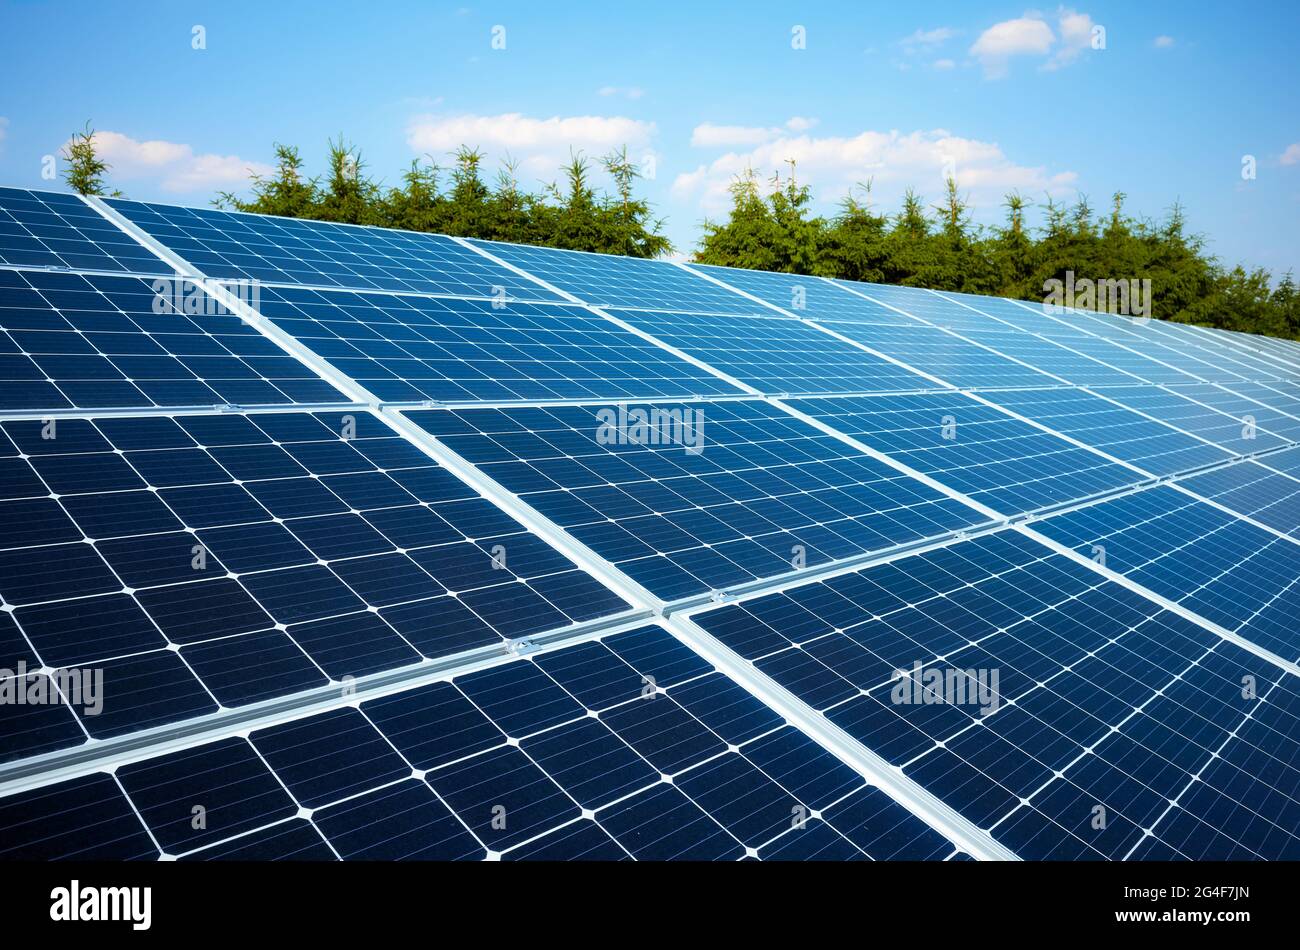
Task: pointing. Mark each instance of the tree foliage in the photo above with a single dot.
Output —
(457, 200)
(775, 228)
(83, 169)
(941, 248)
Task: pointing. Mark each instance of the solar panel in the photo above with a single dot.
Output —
(814, 297)
(413, 625)
(745, 491)
(1254, 489)
(228, 559)
(947, 356)
(48, 229)
(1145, 442)
(1227, 570)
(983, 453)
(1240, 435)
(628, 747)
(231, 245)
(607, 281)
(405, 347)
(1227, 364)
(97, 342)
(776, 355)
(1104, 705)
(1225, 399)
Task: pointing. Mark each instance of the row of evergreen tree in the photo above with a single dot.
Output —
(458, 201)
(939, 247)
(775, 228)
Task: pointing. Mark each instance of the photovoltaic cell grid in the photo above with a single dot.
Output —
(952, 359)
(95, 342)
(1148, 351)
(802, 296)
(1227, 399)
(930, 307)
(405, 348)
(1282, 396)
(1227, 570)
(1103, 337)
(981, 452)
(1147, 443)
(227, 244)
(448, 338)
(1227, 363)
(48, 229)
(626, 282)
(1241, 434)
(632, 747)
(1256, 490)
(1066, 364)
(764, 494)
(229, 559)
(776, 355)
(1186, 743)
(1175, 353)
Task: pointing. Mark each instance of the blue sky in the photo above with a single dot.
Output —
(1168, 110)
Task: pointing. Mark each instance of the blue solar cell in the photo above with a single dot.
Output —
(407, 348)
(85, 819)
(983, 453)
(230, 244)
(429, 773)
(1239, 435)
(754, 489)
(200, 796)
(33, 717)
(949, 357)
(293, 840)
(607, 281)
(49, 229)
(1225, 399)
(1227, 570)
(776, 355)
(1150, 444)
(1094, 698)
(239, 561)
(118, 342)
(814, 297)
(1253, 489)
(582, 840)
(401, 822)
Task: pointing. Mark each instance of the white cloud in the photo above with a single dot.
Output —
(708, 135)
(1292, 154)
(540, 146)
(174, 166)
(944, 64)
(1163, 42)
(1076, 36)
(926, 41)
(1026, 35)
(1031, 35)
(629, 92)
(892, 160)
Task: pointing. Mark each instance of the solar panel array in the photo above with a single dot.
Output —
(447, 549)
